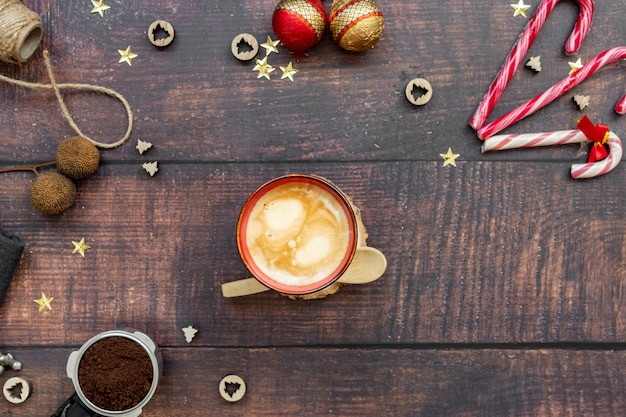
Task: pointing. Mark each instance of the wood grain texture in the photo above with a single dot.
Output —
(357, 382)
(203, 104)
(504, 293)
(482, 253)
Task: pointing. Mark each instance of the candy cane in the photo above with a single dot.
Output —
(525, 41)
(527, 140)
(594, 169)
(561, 137)
(572, 80)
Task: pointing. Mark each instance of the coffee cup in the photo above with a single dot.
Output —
(298, 234)
(115, 373)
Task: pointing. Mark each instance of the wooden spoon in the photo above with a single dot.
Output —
(367, 265)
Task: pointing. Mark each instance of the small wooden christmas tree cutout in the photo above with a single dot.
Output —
(151, 167)
(581, 101)
(534, 63)
(189, 332)
(143, 146)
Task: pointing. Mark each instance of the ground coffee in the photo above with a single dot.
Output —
(115, 373)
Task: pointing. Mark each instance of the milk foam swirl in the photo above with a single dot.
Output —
(298, 234)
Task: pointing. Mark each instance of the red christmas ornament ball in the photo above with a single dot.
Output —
(299, 24)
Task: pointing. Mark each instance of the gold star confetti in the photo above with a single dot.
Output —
(99, 7)
(44, 302)
(80, 247)
(449, 158)
(263, 67)
(270, 46)
(127, 56)
(288, 72)
(575, 66)
(520, 8)
(534, 63)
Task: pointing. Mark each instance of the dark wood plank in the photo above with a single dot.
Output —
(197, 102)
(485, 252)
(504, 293)
(313, 382)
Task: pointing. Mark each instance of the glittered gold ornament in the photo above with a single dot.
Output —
(52, 192)
(77, 158)
(356, 25)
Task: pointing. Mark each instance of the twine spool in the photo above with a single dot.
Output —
(20, 31)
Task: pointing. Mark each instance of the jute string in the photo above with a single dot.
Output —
(20, 31)
(71, 86)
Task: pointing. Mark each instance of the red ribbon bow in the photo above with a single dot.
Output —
(598, 134)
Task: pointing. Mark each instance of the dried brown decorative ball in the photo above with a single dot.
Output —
(52, 193)
(77, 158)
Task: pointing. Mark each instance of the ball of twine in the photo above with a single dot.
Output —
(20, 31)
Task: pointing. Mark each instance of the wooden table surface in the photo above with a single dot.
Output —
(505, 288)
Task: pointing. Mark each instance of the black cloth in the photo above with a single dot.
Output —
(74, 407)
(11, 248)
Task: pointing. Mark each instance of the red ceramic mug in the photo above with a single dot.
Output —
(297, 234)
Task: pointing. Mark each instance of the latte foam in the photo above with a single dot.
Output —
(298, 233)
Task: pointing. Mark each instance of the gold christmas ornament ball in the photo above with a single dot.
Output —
(77, 158)
(52, 192)
(356, 25)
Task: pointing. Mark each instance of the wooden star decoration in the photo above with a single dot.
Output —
(80, 247)
(270, 46)
(581, 101)
(449, 158)
(575, 66)
(263, 68)
(288, 72)
(534, 63)
(142, 146)
(189, 332)
(151, 167)
(44, 302)
(520, 8)
(127, 56)
(99, 7)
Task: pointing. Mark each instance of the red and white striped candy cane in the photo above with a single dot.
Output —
(560, 137)
(572, 80)
(528, 140)
(525, 41)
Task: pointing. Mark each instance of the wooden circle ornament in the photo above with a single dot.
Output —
(16, 390)
(232, 388)
(161, 33)
(420, 84)
(244, 47)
